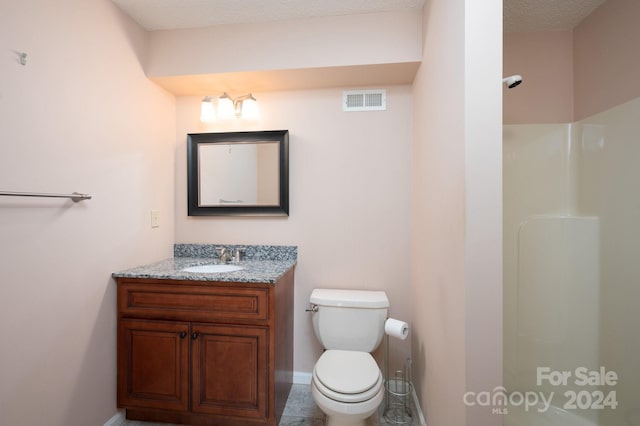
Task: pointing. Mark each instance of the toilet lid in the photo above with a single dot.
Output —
(347, 372)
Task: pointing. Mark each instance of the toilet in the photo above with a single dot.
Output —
(347, 384)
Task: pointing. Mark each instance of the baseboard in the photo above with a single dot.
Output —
(301, 378)
(416, 404)
(116, 420)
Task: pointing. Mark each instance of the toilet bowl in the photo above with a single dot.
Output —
(347, 384)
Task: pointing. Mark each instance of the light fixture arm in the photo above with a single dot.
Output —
(237, 102)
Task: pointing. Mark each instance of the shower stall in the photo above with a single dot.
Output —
(572, 270)
(571, 230)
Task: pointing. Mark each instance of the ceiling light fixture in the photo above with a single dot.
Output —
(244, 106)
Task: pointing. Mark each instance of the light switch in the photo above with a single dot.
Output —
(155, 218)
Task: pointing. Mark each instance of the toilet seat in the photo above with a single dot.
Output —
(347, 376)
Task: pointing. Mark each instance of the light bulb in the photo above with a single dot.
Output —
(250, 109)
(225, 107)
(207, 115)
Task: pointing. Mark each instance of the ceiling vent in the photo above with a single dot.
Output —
(364, 100)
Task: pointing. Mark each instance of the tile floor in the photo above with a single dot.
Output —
(299, 411)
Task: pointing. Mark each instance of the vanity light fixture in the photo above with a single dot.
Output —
(225, 107)
(249, 108)
(244, 106)
(207, 114)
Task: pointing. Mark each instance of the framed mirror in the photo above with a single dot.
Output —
(238, 173)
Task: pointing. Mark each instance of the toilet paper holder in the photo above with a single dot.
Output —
(398, 389)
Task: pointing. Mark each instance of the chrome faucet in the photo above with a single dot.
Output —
(238, 253)
(225, 255)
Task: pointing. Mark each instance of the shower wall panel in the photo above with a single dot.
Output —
(551, 261)
(538, 178)
(610, 189)
(566, 174)
(558, 299)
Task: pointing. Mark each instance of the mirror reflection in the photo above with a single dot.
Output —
(238, 173)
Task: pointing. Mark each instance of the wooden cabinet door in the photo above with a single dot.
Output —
(153, 364)
(230, 370)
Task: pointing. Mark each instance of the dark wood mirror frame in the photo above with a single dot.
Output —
(281, 208)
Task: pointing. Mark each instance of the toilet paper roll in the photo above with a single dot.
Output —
(396, 328)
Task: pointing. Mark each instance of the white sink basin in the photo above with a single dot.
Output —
(213, 269)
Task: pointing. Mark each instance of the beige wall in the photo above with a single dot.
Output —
(456, 203)
(605, 62)
(483, 203)
(570, 75)
(378, 38)
(350, 185)
(80, 116)
(545, 61)
(437, 269)
(361, 215)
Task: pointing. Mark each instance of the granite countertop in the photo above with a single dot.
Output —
(262, 264)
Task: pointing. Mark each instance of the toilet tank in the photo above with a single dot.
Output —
(351, 320)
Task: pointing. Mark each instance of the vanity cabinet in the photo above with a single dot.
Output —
(205, 352)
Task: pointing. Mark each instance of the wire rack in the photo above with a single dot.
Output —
(397, 408)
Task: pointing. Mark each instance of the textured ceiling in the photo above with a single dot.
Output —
(519, 15)
(172, 14)
(546, 15)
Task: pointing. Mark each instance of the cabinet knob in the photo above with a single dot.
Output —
(194, 335)
(183, 334)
